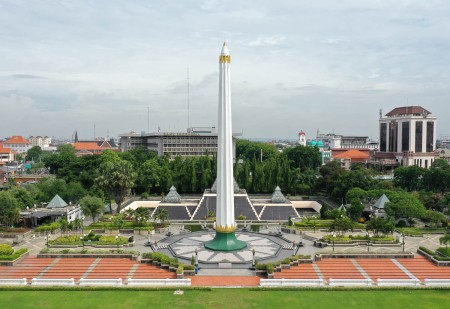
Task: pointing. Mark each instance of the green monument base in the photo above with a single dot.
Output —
(225, 242)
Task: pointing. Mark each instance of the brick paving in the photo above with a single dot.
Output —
(225, 281)
(32, 267)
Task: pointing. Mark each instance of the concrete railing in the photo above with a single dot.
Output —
(349, 282)
(53, 282)
(290, 282)
(13, 282)
(158, 282)
(100, 282)
(437, 282)
(398, 282)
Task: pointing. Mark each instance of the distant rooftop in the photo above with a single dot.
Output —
(408, 110)
(17, 140)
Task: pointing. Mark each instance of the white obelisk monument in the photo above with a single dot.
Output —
(225, 239)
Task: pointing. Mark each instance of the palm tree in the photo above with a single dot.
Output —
(63, 225)
(141, 215)
(162, 215)
(129, 213)
(117, 178)
(77, 224)
(444, 240)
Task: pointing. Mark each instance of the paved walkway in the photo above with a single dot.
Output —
(225, 281)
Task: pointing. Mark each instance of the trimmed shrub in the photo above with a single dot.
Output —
(13, 256)
(147, 255)
(401, 223)
(180, 269)
(188, 267)
(269, 268)
(6, 250)
(165, 259)
(174, 262)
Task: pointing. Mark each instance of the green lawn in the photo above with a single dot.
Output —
(227, 298)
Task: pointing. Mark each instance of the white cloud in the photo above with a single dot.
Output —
(319, 65)
(266, 41)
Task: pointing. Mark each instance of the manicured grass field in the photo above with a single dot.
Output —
(226, 298)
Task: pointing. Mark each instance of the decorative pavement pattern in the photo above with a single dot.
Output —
(264, 248)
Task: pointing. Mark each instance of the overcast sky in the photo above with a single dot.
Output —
(295, 65)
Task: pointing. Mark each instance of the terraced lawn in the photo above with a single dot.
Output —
(226, 298)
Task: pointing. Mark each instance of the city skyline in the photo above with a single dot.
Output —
(70, 65)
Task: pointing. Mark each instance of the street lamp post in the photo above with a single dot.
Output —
(82, 240)
(368, 241)
(117, 239)
(334, 237)
(196, 260)
(46, 239)
(314, 217)
(403, 243)
(253, 260)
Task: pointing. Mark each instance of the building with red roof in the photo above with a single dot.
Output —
(17, 143)
(6, 154)
(349, 156)
(86, 148)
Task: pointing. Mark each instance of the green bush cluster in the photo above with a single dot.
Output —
(173, 262)
(147, 255)
(18, 230)
(329, 238)
(180, 269)
(85, 251)
(188, 267)
(105, 223)
(48, 227)
(441, 254)
(269, 267)
(13, 256)
(160, 257)
(95, 239)
(6, 250)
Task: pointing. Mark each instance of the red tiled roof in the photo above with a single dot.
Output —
(87, 146)
(4, 149)
(407, 110)
(352, 154)
(17, 140)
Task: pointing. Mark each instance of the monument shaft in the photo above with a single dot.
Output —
(225, 239)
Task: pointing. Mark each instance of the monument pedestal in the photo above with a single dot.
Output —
(225, 242)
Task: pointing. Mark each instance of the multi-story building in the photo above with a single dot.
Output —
(6, 154)
(41, 141)
(195, 142)
(407, 136)
(17, 144)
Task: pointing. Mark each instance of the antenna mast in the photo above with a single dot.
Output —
(148, 119)
(188, 103)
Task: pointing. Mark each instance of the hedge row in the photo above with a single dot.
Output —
(13, 256)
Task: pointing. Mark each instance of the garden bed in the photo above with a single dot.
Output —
(13, 259)
(433, 256)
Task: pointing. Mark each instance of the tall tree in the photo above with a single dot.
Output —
(9, 209)
(117, 178)
(408, 177)
(34, 154)
(92, 206)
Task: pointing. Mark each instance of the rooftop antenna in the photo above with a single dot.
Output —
(381, 113)
(188, 100)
